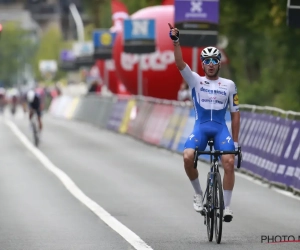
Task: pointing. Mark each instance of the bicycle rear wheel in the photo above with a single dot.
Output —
(35, 134)
(209, 210)
(218, 207)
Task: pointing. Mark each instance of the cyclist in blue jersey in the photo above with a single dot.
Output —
(211, 96)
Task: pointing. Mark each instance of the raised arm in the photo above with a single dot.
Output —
(174, 34)
(184, 69)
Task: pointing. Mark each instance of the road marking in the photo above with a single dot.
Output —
(112, 222)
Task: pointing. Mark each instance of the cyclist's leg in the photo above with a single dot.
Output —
(223, 141)
(31, 112)
(200, 140)
(195, 139)
(39, 115)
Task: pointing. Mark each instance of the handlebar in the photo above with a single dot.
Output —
(217, 153)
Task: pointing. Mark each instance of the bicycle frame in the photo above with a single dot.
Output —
(213, 169)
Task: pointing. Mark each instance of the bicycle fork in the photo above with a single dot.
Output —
(208, 192)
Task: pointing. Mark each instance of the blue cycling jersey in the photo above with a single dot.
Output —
(211, 97)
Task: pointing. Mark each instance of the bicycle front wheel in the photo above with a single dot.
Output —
(35, 134)
(218, 207)
(209, 209)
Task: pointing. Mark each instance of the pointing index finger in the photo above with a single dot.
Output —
(171, 27)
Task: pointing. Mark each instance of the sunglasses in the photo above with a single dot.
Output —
(214, 61)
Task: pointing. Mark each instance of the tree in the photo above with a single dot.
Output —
(16, 49)
(263, 52)
(50, 46)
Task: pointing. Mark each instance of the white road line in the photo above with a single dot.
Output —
(112, 222)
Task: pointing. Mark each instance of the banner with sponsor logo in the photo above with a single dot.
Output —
(258, 137)
(157, 123)
(184, 117)
(67, 61)
(197, 21)
(139, 36)
(103, 43)
(270, 147)
(289, 149)
(136, 125)
(188, 129)
(172, 128)
(84, 54)
(130, 114)
(296, 180)
(117, 114)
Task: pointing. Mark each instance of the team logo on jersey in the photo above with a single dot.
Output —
(206, 82)
(222, 86)
(235, 100)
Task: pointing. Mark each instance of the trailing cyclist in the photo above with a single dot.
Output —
(211, 96)
(34, 103)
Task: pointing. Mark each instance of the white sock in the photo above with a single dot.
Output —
(196, 186)
(227, 197)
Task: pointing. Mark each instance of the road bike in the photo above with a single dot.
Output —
(213, 196)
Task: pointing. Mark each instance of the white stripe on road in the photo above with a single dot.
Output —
(112, 222)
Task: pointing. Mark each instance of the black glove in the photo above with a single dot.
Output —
(174, 38)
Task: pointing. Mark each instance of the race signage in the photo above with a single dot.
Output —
(139, 36)
(198, 22)
(103, 43)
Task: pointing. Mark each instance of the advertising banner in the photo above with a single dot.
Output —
(103, 43)
(117, 114)
(170, 132)
(197, 21)
(67, 61)
(188, 129)
(84, 53)
(129, 115)
(139, 36)
(157, 123)
(136, 125)
(184, 116)
(289, 153)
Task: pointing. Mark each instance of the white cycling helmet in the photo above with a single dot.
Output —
(30, 95)
(210, 52)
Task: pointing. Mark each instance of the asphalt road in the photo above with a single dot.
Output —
(143, 187)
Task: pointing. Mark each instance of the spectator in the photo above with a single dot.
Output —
(95, 87)
(184, 93)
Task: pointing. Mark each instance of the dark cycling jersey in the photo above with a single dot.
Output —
(36, 105)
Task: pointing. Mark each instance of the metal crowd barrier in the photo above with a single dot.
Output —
(270, 137)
